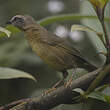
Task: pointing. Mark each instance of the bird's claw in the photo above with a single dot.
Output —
(68, 83)
(48, 91)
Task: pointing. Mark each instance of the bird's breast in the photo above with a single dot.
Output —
(54, 56)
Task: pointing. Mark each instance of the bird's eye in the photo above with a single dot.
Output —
(15, 19)
(18, 19)
(18, 22)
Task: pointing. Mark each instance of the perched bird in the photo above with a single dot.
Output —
(52, 49)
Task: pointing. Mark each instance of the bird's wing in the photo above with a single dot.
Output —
(54, 40)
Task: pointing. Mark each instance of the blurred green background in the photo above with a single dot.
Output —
(15, 51)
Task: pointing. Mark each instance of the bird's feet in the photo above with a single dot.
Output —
(53, 88)
(48, 91)
(68, 83)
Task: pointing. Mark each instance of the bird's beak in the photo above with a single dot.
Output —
(8, 22)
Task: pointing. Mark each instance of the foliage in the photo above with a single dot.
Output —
(99, 6)
(87, 29)
(8, 73)
(5, 32)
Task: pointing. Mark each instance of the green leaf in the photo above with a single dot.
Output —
(78, 90)
(99, 6)
(103, 87)
(99, 96)
(8, 73)
(87, 29)
(13, 29)
(98, 3)
(10, 29)
(67, 17)
(4, 32)
(107, 98)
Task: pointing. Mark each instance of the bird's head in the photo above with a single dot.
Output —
(22, 21)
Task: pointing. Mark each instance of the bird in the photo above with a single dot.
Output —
(52, 49)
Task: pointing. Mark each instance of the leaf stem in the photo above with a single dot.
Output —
(107, 41)
(105, 33)
(98, 79)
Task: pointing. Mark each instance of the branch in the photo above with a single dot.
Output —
(62, 95)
